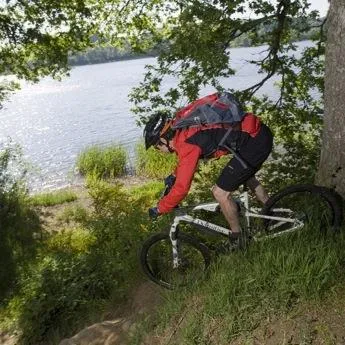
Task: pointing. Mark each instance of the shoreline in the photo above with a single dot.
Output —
(128, 181)
(148, 56)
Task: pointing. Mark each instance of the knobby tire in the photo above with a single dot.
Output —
(185, 240)
(332, 202)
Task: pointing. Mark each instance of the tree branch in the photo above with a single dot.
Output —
(281, 15)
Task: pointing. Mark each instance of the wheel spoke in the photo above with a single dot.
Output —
(159, 262)
(296, 209)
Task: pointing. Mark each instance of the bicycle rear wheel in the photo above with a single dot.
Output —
(300, 206)
(156, 258)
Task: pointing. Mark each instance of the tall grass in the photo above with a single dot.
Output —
(105, 162)
(154, 164)
(150, 191)
(242, 289)
(53, 198)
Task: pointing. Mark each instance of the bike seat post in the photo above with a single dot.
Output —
(244, 197)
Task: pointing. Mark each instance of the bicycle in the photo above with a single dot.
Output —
(172, 258)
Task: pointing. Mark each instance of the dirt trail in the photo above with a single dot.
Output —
(144, 299)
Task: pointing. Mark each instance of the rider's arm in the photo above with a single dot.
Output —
(187, 164)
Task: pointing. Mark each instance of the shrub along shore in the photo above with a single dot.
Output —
(70, 255)
(53, 283)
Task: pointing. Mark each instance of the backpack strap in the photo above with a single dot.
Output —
(236, 155)
(225, 136)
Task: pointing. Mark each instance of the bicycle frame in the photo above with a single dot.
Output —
(248, 214)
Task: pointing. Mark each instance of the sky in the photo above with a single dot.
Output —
(320, 5)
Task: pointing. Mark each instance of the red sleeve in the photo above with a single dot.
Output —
(188, 158)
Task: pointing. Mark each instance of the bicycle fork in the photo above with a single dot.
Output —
(173, 235)
(175, 245)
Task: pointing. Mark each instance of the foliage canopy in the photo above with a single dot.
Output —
(196, 52)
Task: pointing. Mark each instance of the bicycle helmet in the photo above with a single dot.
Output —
(157, 127)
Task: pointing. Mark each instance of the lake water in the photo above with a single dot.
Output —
(53, 121)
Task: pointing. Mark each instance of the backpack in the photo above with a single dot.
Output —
(217, 108)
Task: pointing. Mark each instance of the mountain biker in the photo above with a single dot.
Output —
(250, 139)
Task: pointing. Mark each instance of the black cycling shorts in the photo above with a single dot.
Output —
(253, 152)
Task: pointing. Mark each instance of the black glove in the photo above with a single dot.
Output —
(153, 213)
(169, 180)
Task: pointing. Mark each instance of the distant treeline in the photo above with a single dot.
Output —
(246, 41)
(104, 54)
(108, 54)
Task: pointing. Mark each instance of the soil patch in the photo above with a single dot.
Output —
(49, 215)
(144, 299)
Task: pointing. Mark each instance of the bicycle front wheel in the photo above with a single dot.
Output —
(302, 205)
(156, 258)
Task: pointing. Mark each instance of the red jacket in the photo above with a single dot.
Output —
(188, 158)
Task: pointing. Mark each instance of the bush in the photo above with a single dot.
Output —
(79, 271)
(76, 240)
(148, 194)
(60, 289)
(106, 162)
(153, 163)
(18, 221)
(75, 213)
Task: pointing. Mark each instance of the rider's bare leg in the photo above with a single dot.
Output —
(256, 187)
(228, 207)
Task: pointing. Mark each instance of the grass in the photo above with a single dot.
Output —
(104, 162)
(78, 272)
(243, 289)
(73, 275)
(151, 189)
(75, 213)
(54, 198)
(154, 164)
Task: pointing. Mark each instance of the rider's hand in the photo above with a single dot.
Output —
(169, 180)
(153, 213)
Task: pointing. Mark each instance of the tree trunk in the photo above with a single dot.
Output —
(331, 170)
